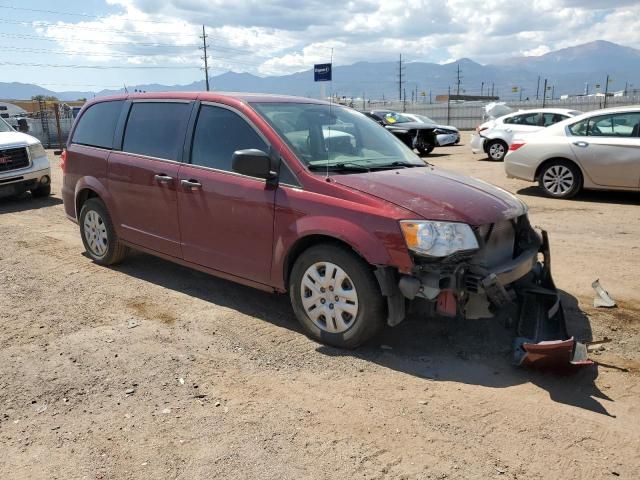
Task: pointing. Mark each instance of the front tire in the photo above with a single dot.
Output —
(335, 297)
(560, 179)
(497, 150)
(41, 191)
(426, 150)
(98, 235)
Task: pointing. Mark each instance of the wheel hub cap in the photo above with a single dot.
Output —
(558, 180)
(329, 297)
(95, 232)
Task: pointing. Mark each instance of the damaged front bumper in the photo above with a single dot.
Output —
(519, 289)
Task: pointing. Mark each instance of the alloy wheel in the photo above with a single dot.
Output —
(496, 151)
(329, 297)
(558, 180)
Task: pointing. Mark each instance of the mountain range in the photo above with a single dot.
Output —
(566, 70)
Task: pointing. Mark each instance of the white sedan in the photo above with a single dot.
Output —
(493, 137)
(597, 150)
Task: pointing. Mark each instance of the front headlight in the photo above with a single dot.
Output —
(37, 150)
(438, 239)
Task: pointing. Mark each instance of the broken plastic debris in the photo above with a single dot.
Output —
(603, 300)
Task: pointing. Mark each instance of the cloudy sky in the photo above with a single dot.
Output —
(95, 44)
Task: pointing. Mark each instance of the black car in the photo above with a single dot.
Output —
(415, 135)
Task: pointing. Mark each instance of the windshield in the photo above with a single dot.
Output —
(323, 135)
(424, 119)
(4, 126)
(394, 117)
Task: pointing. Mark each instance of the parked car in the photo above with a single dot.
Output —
(415, 135)
(598, 150)
(445, 134)
(494, 136)
(250, 188)
(23, 164)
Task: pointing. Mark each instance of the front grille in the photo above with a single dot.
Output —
(499, 246)
(13, 159)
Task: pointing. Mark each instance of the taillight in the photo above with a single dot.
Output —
(63, 159)
(515, 146)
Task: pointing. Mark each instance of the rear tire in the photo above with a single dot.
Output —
(336, 297)
(41, 191)
(98, 235)
(497, 150)
(560, 179)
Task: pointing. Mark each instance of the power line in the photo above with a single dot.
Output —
(98, 42)
(85, 15)
(137, 44)
(38, 23)
(102, 67)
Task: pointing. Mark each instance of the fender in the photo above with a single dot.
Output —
(94, 184)
(378, 246)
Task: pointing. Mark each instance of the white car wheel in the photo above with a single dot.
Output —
(329, 297)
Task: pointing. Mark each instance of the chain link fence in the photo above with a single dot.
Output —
(48, 121)
(468, 115)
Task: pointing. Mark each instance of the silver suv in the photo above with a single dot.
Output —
(23, 164)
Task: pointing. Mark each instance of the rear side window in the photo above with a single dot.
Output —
(156, 129)
(549, 119)
(98, 124)
(220, 132)
(524, 119)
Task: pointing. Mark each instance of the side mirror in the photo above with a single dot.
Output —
(253, 163)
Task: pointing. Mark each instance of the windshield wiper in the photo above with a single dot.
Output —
(339, 167)
(393, 165)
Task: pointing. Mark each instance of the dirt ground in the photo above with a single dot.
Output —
(152, 370)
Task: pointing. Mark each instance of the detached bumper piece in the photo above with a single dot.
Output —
(542, 340)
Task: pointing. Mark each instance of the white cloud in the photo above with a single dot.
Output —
(283, 36)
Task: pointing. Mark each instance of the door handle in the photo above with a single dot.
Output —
(581, 144)
(161, 177)
(193, 184)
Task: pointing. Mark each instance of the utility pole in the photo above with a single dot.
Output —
(458, 81)
(521, 90)
(400, 81)
(492, 85)
(448, 104)
(544, 94)
(538, 88)
(606, 91)
(404, 101)
(481, 89)
(553, 92)
(206, 65)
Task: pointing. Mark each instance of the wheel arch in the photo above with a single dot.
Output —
(311, 240)
(90, 187)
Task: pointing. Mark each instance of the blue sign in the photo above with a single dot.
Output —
(322, 72)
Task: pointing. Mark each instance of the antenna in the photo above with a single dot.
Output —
(330, 115)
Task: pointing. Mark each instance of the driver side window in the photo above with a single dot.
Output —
(220, 132)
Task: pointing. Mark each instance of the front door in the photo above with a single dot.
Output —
(226, 219)
(608, 148)
(143, 177)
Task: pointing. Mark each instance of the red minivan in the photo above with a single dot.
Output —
(296, 195)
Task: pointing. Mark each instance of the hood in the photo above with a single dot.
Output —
(436, 194)
(16, 139)
(409, 126)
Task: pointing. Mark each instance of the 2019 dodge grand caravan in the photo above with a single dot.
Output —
(301, 196)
